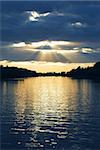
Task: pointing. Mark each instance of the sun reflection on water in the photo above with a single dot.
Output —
(44, 107)
(47, 110)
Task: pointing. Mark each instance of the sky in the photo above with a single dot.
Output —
(53, 33)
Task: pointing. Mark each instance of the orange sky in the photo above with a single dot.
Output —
(41, 66)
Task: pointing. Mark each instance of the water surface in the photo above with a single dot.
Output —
(50, 113)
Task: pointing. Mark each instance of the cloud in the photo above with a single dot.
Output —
(45, 45)
(35, 16)
(49, 51)
(87, 50)
(60, 25)
(78, 25)
(38, 21)
(21, 44)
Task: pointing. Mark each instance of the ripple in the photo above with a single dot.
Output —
(18, 129)
(61, 136)
(58, 115)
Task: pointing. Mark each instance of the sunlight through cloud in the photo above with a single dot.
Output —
(46, 45)
(35, 16)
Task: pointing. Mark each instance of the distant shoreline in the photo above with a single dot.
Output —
(79, 73)
(85, 73)
(44, 67)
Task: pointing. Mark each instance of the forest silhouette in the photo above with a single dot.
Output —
(79, 73)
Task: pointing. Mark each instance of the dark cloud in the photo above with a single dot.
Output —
(65, 21)
(46, 47)
(16, 28)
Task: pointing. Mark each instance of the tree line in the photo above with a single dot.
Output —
(14, 72)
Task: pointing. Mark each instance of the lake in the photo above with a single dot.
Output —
(50, 113)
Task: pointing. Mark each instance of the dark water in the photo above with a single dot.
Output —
(50, 113)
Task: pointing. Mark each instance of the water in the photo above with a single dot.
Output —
(50, 113)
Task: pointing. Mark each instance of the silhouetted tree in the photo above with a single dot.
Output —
(89, 72)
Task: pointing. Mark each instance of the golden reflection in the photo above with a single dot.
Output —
(83, 92)
(46, 107)
(44, 112)
(49, 98)
(20, 101)
(3, 93)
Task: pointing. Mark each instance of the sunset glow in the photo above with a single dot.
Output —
(41, 66)
(56, 35)
(45, 45)
(50, 75)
